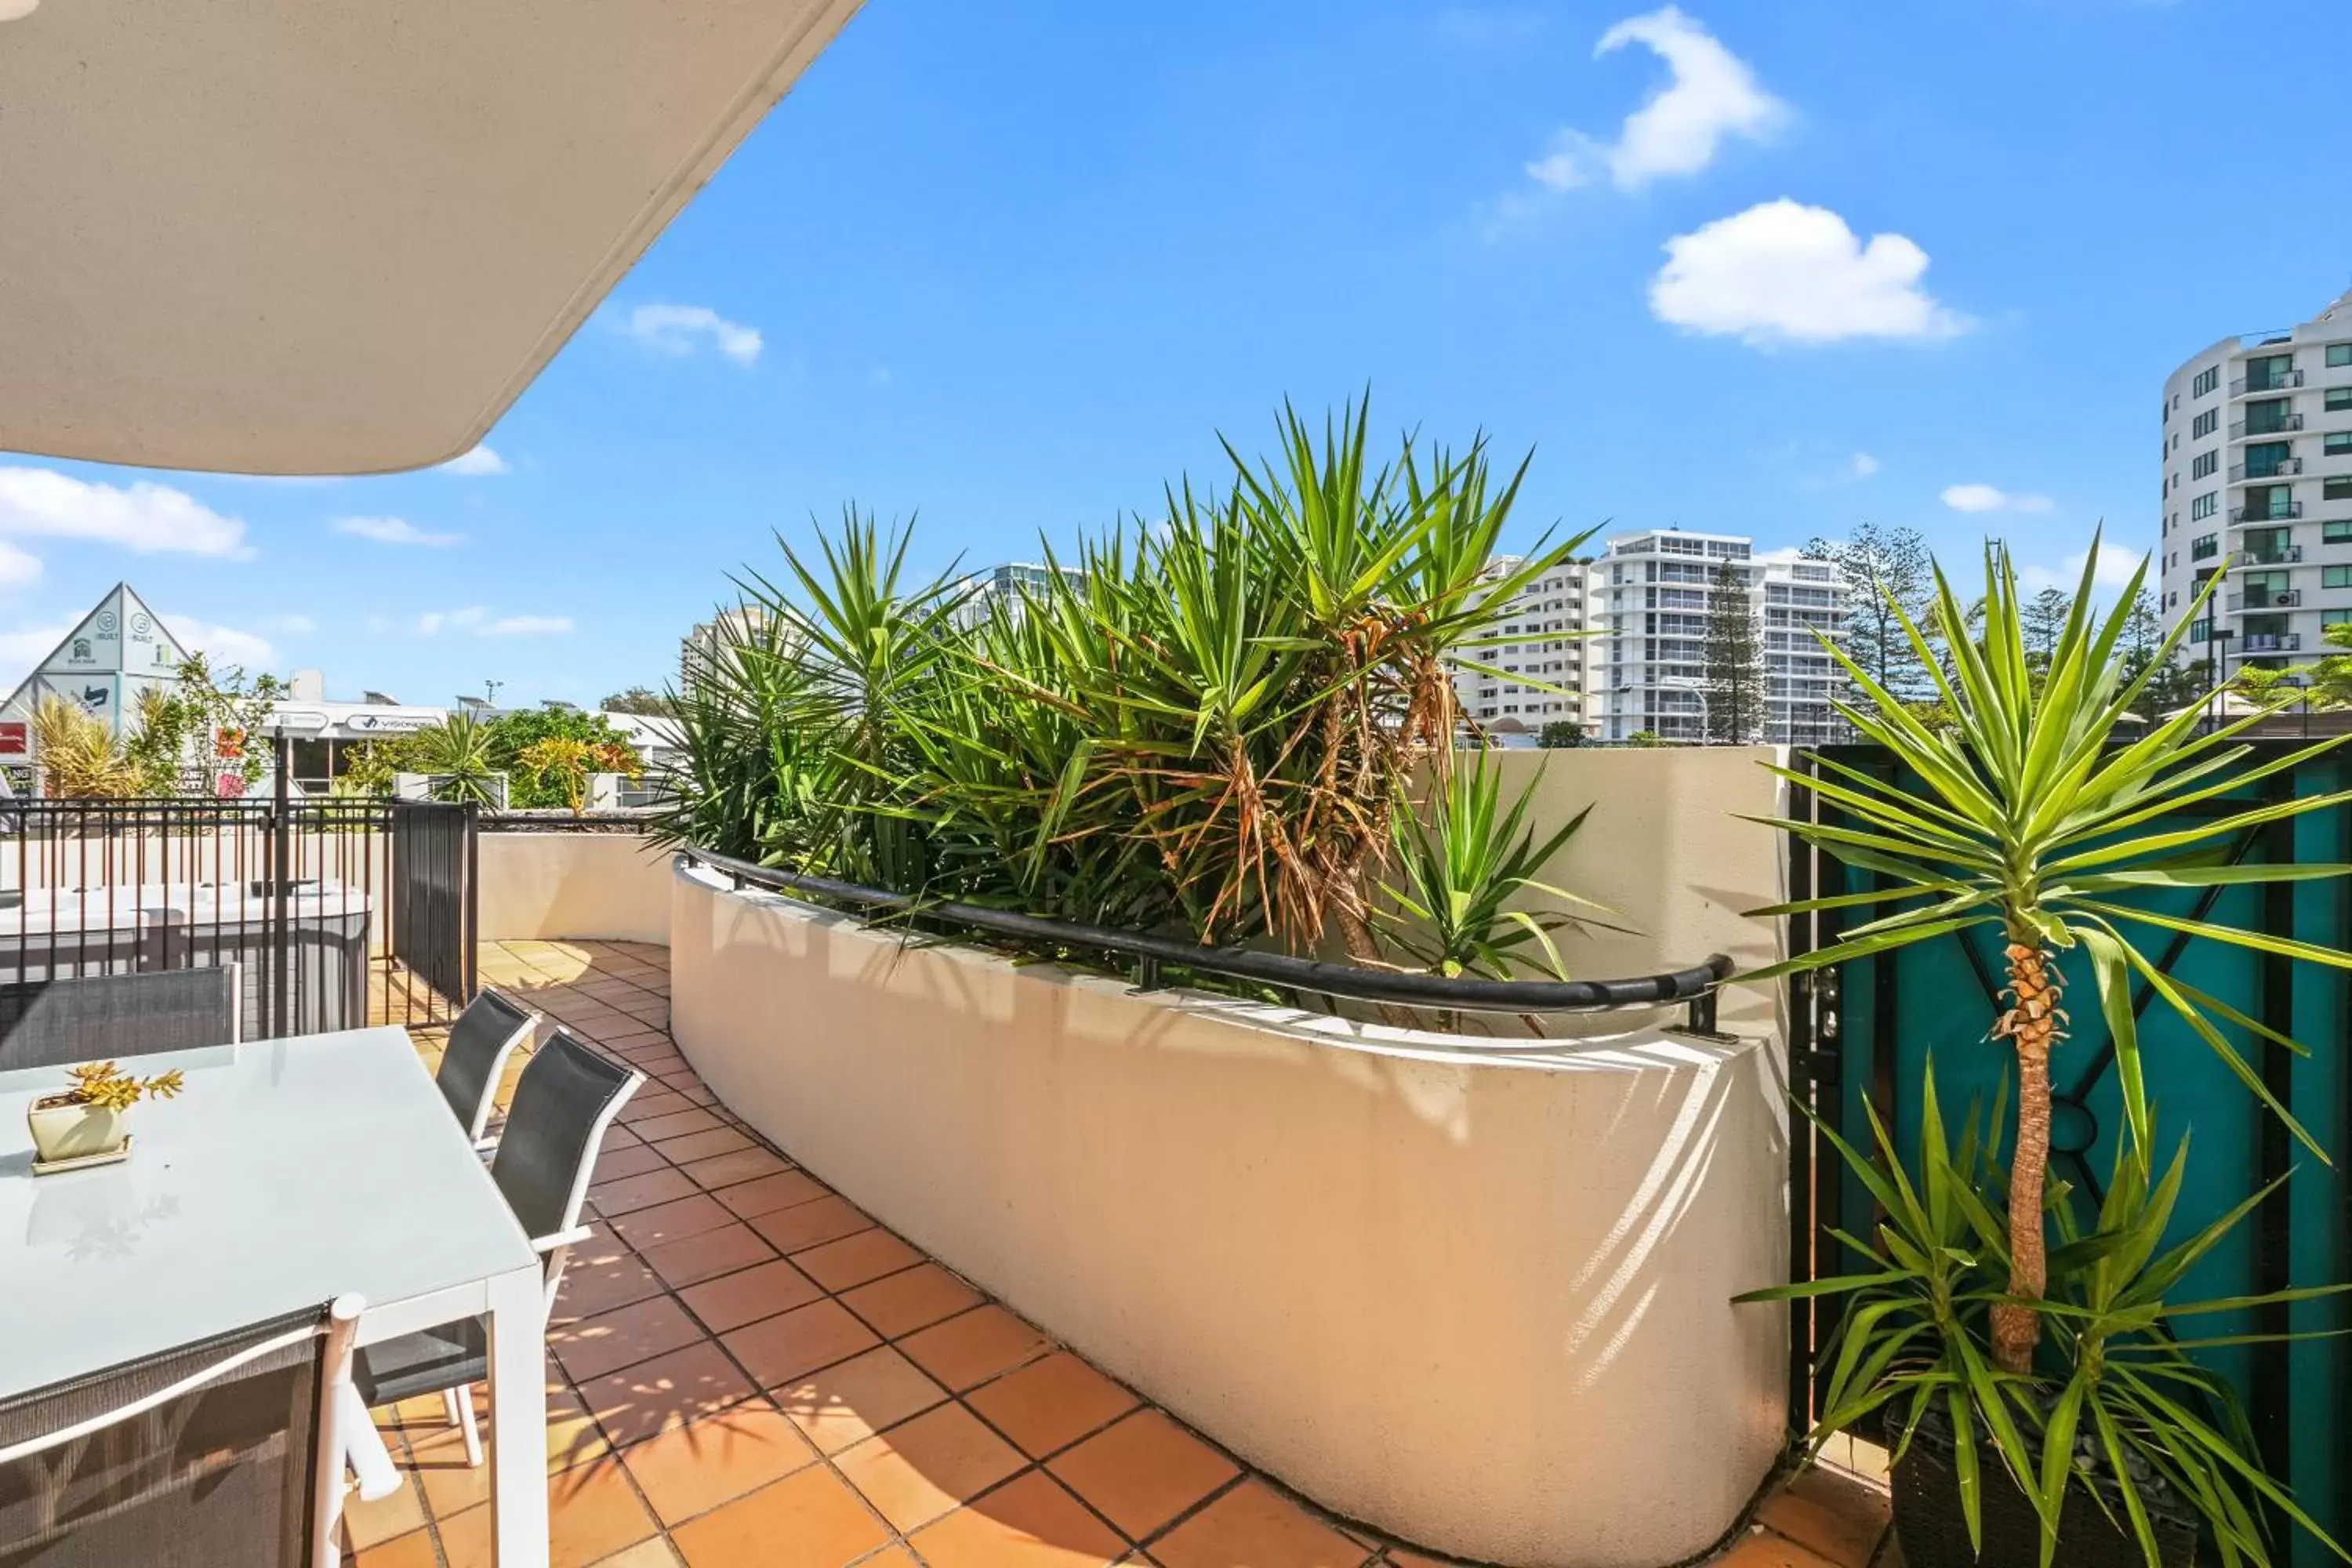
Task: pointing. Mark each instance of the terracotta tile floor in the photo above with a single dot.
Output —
(745, 1370)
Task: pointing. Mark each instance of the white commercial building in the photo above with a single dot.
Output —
(1652, 593)
(1544, 657)
(2257, 484)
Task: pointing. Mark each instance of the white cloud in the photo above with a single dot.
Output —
(222, 645)
(1865, 465)
(476, 620)
(2116, 565)
(1985, 498)
(392, 531)
(21, 649)
(680, 329)
(292, 625)
(1782, 272)
(528, 626)
(1710, 95)
(144, 516)
(480, 460)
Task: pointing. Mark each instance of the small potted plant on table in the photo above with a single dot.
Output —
(88, 1124)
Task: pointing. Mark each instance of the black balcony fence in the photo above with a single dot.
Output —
(337, 912)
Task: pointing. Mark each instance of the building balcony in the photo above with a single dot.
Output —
(2278, 555)
(2265, 599)
(2278, 424)
(2272, 513)
(2278, 381)
(2244, 473)
(2271, 642)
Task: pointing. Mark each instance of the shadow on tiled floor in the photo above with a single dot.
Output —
(744, 1369)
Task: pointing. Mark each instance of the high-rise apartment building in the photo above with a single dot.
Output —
(1008, 582)
(705, 639)
(1652, 593)
(1544, 660)
(2257, 484)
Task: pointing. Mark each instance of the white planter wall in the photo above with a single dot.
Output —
(1474, 1296)
(550, 886)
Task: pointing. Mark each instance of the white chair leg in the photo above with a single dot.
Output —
(464, 1400)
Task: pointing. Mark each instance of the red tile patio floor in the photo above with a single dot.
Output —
(744, 1369)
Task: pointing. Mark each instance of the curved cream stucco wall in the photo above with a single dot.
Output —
(1477, 1298)
(547, 885)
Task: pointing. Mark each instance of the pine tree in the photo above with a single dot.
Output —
(2043, 618)
(1875, 565)
(1735, 660)
(2175, 686)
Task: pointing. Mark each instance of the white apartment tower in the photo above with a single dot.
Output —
(1651, 592)
(2257, 484)
(1543, 649)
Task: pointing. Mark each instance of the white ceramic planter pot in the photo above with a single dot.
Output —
(65, 1129)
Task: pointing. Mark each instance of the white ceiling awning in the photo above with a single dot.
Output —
(289, 237)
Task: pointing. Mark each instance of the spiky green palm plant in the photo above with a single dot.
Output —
(2036, 817)
(1465, 863)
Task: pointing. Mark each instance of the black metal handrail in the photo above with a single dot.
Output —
(1695, 985)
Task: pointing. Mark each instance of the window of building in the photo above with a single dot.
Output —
(2335, 576)
(2203, 465)
(2336, 444)
(2339, 397)
(2335, 617)
(2203, 506)
(2202, 426)
(2337, 489)
(2206, 548)
(2340, 353)
(2199, 631)
(2206, 380)
(2335, 533)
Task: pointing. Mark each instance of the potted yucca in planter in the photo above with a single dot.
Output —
(2039, 816)
(91, 1122)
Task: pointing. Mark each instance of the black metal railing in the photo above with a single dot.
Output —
(301, 894)
(1695, 985)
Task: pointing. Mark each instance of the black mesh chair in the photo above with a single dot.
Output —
(481, 1039)
(95, 1018)
(566, 1098)
(221, 1454)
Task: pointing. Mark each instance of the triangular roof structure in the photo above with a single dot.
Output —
(118, 649)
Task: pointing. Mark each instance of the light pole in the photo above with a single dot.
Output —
(2218, 641)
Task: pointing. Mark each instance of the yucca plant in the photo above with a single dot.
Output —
(1463, 864)
(456, 754)
(2113, 1423)
(2036, 817)
(80, 757)
(1198, 728)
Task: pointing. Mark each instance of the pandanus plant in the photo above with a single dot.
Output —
(2039, 814)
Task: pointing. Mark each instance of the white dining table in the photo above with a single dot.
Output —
(287, 1173)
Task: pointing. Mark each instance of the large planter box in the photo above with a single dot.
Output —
(1477, 1295)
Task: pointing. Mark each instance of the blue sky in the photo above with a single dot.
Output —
(1767, 268)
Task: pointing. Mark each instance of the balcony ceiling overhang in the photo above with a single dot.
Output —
(308, 236)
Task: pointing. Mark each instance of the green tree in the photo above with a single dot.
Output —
(2171, 685)
(640, 699)
(1734, 660)
(511, 734)
(1887, 576)
(2043, 617)
(1560, 734)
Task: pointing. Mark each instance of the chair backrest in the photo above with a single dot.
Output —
(568, 1094)
(51, 1023)
(479, 1042)
(214, 1453)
